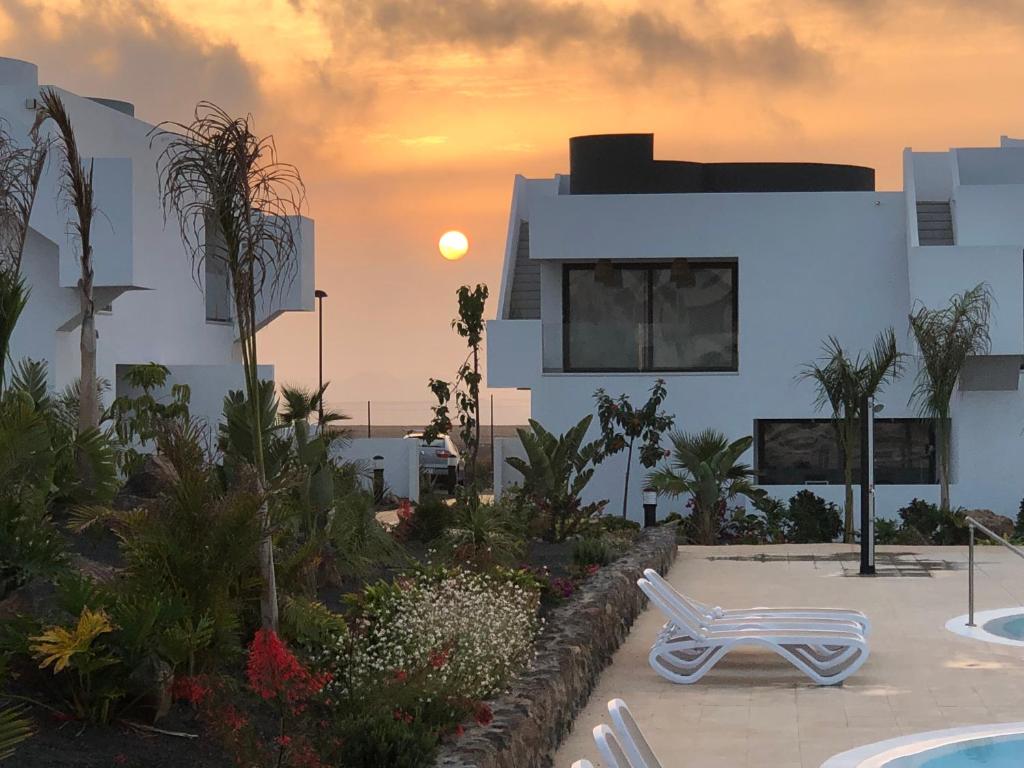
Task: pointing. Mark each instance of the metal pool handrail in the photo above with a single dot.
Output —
(971, 525)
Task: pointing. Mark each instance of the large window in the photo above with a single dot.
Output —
(671, 316)
(217, 280)
(798, 451)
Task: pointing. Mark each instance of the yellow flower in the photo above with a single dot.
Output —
(57, 644)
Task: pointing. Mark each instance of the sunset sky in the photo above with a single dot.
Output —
(411, 117)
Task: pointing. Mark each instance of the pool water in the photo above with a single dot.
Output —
(1011, 627)
(996, 752)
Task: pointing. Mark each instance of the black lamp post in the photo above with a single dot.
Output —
(867, 486)
(320, 296)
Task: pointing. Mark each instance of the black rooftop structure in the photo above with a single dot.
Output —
(623, 163)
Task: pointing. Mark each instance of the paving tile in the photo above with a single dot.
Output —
(757, 712)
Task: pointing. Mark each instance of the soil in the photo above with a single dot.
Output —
(73, 745)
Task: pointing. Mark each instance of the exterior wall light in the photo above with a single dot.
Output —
(650, 507)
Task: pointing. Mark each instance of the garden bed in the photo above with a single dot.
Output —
(577, 642)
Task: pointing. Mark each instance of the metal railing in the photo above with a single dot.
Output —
(971, 525)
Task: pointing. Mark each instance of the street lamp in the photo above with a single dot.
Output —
(320, 296)
(867, 485)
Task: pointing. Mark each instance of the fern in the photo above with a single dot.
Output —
(310, 623)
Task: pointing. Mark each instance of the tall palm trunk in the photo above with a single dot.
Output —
(245, 300)
(943, 440)
(89, 406)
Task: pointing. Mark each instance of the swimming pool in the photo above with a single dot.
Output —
(977, 746)
(1004, 626)
(1011, 627)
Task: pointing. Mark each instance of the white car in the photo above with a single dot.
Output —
(435, 457)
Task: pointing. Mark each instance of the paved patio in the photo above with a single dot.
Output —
(754, 710)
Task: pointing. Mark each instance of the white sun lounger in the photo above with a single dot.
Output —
(721, 617)
(634, 744)
(612, 752)
(582, 764)
(685, 651)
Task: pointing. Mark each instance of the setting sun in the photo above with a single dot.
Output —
(453, 245)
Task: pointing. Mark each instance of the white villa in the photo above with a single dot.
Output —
(154, 307)
(724, 279)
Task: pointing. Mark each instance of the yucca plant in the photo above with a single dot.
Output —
(77, 190)
(843, 382)
(946, 337)
(557, 469)
(237, 203)
(706, 466)
(14, 729)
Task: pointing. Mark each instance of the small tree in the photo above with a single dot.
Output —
(236, 203)
(77, 190)
(141, 419)
(946, 338)
(843, 384)
(622, 425)
(466, 387)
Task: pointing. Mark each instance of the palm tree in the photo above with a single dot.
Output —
(843, 384)
(301, 403)
(77, 189)
(706, 466)
(946, 338)
(236, 203)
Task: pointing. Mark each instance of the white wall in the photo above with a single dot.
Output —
(401, 462)
(159, 311)
(504, 474)
(810, 265)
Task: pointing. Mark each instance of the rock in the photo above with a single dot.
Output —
(1000, 524)
(578, 641)
(37, 598)
(155, 476)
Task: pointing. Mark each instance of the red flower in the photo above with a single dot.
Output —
(459, 730)
(284, 740)
(190, 688)
(401, 675)
(438, 659)
(593, 568)
(120, 759)
(274, 672)
(483, 714)
(405, 511)
(402, 716)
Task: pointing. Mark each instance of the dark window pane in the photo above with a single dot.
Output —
(606, 318)
(694, 319)
(799, 451)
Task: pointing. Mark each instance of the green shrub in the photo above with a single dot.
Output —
(887, 532)
(593, 550)
(926, 523)
(480, 536)
(388, 740)
(812, 519)
(430, 519)
(1018, 528)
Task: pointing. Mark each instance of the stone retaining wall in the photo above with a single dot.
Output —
(577, 642)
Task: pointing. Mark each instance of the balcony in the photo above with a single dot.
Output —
(937, 273)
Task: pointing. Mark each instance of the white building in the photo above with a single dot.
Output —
(725, 279)
(154, 307)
